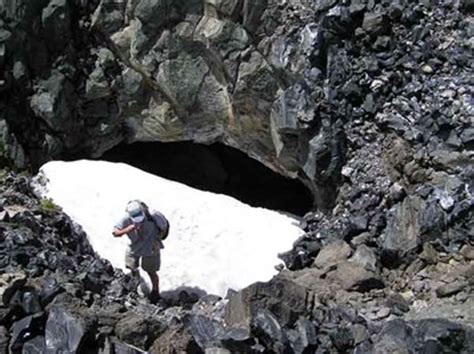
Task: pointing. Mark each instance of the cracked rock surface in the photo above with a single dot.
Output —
(370, 103)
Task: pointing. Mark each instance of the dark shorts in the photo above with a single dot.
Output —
(150, 264)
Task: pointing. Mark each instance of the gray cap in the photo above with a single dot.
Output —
(135, 211)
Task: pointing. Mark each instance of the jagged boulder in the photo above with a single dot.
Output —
(402, 236)
(428, 335)
(138, 329)
(283, 297)
(332, 254)
(64, 332)
(365, 257)
(352, 276)
(174, 338)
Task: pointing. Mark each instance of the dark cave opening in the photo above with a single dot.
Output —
(216, 168)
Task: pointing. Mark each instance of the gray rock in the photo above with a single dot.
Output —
(269, 331)
(365, 257)
(361, 239)
(467, 4)
(332, 254)
(374, 23)
(429, 254)
(446, 202)
(468, 252)
(397, 192)
(24, 330)
(9, 284)
(467, 136)
(205, 331)
(397, 303)
(451, 288)
(37, 345)
(64, 332)
(28, 300)
(174, 339)
(384, 312)
(359, 333)
(443, 336)
(305, 336)
(402, 235)
(284, 297)
(237, 339)
(342, 339)
(355, 277)
(215, 350)
(138, 329)
(56, 20)
(4, 338)
(395, 337)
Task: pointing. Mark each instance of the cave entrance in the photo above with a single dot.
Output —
(216, 168)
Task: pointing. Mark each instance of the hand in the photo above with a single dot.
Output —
(130, 228)
(125, 230)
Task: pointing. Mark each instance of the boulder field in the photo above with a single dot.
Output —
(369, 103)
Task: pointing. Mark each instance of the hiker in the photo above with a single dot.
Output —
(143, 229)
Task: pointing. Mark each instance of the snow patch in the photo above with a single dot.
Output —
(216, 242)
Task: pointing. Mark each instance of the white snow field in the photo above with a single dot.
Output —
(216, 242)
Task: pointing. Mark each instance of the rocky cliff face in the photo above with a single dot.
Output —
(82, 76)
(369, 102)
(280, 81)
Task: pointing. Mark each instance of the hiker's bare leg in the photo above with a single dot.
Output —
(155, 281)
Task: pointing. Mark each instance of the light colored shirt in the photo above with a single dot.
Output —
(145, 240)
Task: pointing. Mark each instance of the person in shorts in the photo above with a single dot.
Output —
(145, 243)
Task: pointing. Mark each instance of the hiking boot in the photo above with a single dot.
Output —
(154, 297)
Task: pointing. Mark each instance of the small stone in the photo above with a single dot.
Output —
(347, 171)
(418, 286)
(446, 202)
(429, 254)
(451, 288)
(408, 295)
(360, 333)
(397, 303)
(376, 85)
(397, 192)
(427, 69)
(365, 257)
(468, 252)
(384, 312)
(462, 297)
(361, 239)
(450, 94)
(374, 22)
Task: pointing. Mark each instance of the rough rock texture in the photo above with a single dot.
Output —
(80, 77)
(58, 296)
(370, 103)
(284, 82)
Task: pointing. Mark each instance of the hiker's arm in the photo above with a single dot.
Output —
(125, 230)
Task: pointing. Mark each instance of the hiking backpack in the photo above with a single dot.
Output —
(162, 223)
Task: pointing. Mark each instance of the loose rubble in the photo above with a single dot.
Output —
(377, 95)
